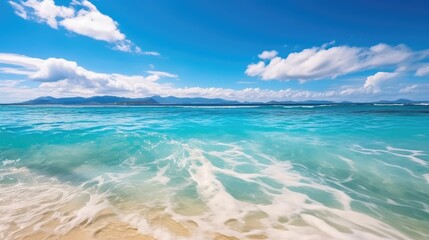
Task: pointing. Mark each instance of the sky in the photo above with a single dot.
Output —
(246, 50)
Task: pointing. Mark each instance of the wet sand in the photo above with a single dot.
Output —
(106, 226)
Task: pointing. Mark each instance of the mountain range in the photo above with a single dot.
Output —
(113, 100)
(171, 100)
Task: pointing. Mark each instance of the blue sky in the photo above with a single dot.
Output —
(241, 50)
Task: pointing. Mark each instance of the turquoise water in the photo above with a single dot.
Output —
(281, 172)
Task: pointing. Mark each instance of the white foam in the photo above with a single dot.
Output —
(306, 106)
(219, 107)
(223, 208)
(413, 154)
(387, 104)
(411, 173)
(426, 176)
(409, 154)
(85, 214)
(34, 201)
(10, 162)
(160, 176)
(348, 161)
(299, 106)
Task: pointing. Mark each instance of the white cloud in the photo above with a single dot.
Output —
(255, 69)
(268, 54)
(81, 17)
(19, 10)
(329, 62)
(16, 71)
(55, 69)
(373, 82)
(417, 89)
(162, 74)
(245, 82)
(20, 60)
(151, 53)
(423, 71)
(61, 76)
(409, 89)
(42, 11)
(12, 91)
(92, 23)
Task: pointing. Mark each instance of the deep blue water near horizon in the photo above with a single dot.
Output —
(281, 172)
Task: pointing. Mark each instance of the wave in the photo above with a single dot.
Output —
(388, 104)
(307, 106)
(32, 201)
(215, 107)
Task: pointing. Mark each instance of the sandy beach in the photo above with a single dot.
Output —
(106, 226)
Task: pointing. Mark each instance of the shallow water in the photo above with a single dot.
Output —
(276, 172)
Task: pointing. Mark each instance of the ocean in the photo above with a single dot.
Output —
(214, 172)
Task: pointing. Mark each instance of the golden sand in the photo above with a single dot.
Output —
(106, 226)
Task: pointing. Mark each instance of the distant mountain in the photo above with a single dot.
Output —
(112, 100)
(171, 100)
(90, 101)
(398, 101)
(198, 100)
(281, 102)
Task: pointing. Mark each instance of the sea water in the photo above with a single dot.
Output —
(275, 172)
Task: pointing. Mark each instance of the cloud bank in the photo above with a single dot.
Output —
(61, 77)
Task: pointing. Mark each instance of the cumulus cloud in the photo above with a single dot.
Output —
(328, 62)
(255, 69)
(80, 17)
(63, 76)
(42, 11)
(90, 22)
(373, 82)
(268, 54)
